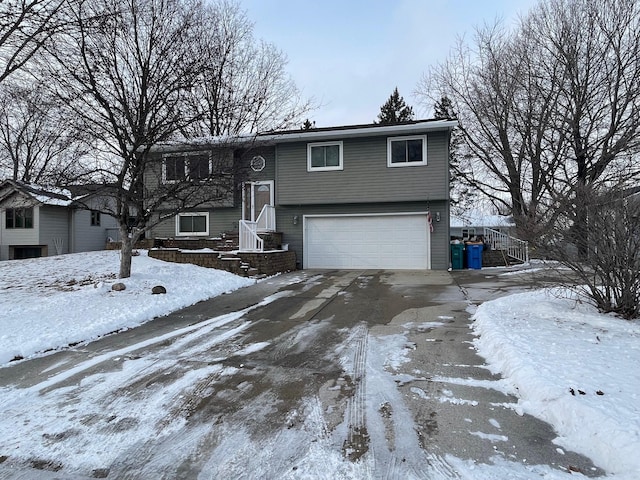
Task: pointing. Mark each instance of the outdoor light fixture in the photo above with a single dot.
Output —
(437, 216)
(295, 219)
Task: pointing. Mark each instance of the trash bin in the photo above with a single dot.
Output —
(457, 256)
(474, 255)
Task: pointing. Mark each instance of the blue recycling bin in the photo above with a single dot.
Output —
(474, 255)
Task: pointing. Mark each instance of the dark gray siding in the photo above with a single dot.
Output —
(221, 220)
(54, 225)
(366, 178)
(293, 233)
(225, 218)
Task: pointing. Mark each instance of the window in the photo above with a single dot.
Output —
(468, 232)
(174, 169)
(198, 166)
(192, 223)
(180, 167)
(19, 218)
(407, 151)
(95, 218)
(324, 156)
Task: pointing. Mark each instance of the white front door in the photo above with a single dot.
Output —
(255, 195)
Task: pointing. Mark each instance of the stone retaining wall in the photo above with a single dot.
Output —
(240, 263)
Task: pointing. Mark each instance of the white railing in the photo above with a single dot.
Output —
(266, 221)
(248, 237)
(513, 247)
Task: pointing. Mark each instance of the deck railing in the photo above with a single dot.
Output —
(513, 247)
(266, 221)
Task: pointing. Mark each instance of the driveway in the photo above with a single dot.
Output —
(311, 374)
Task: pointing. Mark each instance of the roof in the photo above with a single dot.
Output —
(368, 130)
(315, 134)
(45, 195)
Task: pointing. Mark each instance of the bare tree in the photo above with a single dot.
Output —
(125, 71)
(549, 108)
(244, 87)
(605, 269)
(597, 47)
(25, 25)
(38, 141)
(502, 131)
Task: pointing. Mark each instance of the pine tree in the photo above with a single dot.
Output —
(460, 187)
(308, 125)
(395, 110)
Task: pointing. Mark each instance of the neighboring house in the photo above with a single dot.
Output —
(473, 223)
(38, 222)
(367, 196)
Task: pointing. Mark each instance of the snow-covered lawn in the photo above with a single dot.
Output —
(572, 367)
(49, 303)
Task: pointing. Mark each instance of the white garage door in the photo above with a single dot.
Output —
(370, 241)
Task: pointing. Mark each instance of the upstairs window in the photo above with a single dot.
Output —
(198, 167)
(19, 218)
(95, 218)
(174, 169)
(407, 151)
(188, 166)
(324, 156)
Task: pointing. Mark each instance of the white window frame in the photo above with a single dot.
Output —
(185, 156)
(390, 140)
(191, 214)
(324, 144)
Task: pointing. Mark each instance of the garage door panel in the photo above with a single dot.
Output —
(376, 241)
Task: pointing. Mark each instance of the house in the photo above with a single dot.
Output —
(40, 221)
(474, 222)
(363, 196)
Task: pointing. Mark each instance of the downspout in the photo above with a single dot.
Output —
(72, 230)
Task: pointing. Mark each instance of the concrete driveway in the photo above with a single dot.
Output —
(311, 374)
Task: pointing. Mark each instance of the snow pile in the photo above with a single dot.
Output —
(572, 367)
(49, 303)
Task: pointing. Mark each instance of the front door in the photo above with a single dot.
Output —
(255, 195)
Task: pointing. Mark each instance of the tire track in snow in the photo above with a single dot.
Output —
(357, 441)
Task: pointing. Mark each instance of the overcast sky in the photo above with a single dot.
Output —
(350, 54)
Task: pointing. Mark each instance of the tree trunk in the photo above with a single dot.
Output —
(126, 253)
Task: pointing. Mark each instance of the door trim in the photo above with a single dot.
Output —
(253, 185)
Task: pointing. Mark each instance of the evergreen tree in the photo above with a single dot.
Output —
(460, 188)
(395, 110)
(308, 125)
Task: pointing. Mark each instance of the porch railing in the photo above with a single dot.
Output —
(266, 221)
(248, 237)
(513, 247)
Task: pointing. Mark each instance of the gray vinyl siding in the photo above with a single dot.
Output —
(293, 234)
(18, 236)
(221, 220)
(87, 237)
(269, 171)
(365, 177)
(54, 224)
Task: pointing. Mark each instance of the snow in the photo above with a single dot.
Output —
(548, 346)
(75, 302)
(573, 368)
